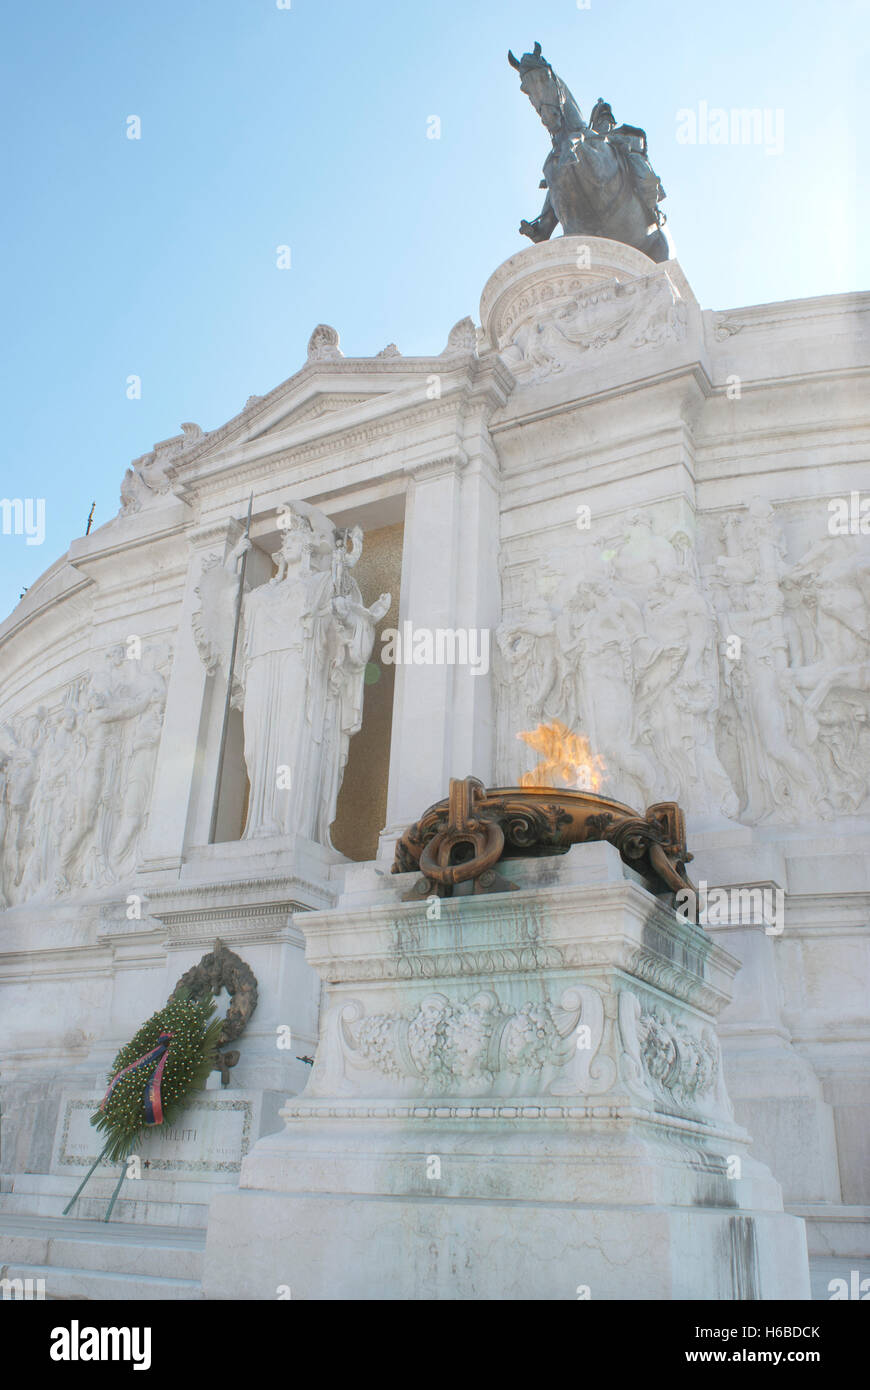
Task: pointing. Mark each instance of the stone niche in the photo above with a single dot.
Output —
(362, 802)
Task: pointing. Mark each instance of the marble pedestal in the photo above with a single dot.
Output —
(515, 1096)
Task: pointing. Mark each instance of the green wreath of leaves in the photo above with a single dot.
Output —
(188, 1062)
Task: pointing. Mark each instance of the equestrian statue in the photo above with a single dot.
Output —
(598, 178)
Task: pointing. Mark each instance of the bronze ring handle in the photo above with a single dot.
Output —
(487, 836)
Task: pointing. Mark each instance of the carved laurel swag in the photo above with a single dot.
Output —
(474, 1046)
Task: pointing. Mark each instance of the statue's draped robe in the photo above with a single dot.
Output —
(284, 674)
(346, 682)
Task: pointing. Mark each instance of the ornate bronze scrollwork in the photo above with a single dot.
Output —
(463, 837)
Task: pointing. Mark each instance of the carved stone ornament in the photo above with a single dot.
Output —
(644, 313)
(465, 836)
(666, 1058)
(323, 345)
(461, 338)
(475, 1046)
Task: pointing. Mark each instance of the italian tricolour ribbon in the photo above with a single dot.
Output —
(153, 1098)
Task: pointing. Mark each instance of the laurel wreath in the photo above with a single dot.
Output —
(188, 1060)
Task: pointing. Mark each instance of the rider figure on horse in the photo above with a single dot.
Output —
(598, 177)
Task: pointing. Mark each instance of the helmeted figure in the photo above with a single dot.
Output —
(299, 677)
(598, 177)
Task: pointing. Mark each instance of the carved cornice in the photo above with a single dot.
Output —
(244, 913)
(726, 323)
(492, 380)
(23, 615)
(673, 980)
(528, 957)
(224, 532)
(259, 408)
(692, 373)
(241, 431)
(102, 547)
(197, 930)
(449, 463)
(220, 886)
(520, 958)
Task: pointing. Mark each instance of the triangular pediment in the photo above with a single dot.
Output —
(329, 393)
(315, 407)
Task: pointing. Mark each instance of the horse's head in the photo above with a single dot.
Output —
(543, 88)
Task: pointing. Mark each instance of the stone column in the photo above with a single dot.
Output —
(423, 710)
(443, 722)
(183, 769)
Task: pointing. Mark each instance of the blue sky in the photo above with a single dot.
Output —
(307, 127)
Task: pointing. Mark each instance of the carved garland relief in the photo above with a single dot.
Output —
(476, 1046)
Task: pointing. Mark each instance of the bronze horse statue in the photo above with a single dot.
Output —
(598, 178)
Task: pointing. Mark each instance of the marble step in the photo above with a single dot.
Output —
(156, 1202)
(88, 1259)
(834, 1229)
(106, 1247)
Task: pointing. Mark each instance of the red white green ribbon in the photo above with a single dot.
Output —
(153, 1099)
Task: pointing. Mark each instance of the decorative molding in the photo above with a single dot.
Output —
(549, 271)
(257, 416)
(462, 338)
(686, 1127)
(323, 345)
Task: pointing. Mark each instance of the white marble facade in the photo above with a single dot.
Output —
(653, 510)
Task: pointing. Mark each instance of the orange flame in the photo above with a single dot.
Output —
(568, 759)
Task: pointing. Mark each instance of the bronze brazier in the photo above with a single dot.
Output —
(463, 837)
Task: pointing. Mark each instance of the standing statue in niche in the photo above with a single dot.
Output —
(598, 178)
(306, 638)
